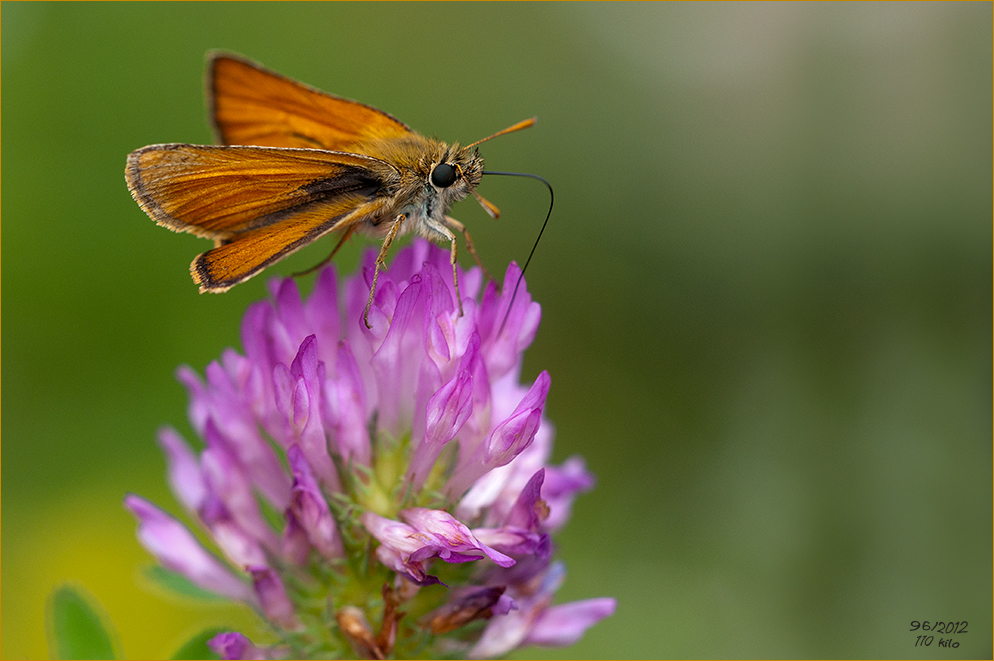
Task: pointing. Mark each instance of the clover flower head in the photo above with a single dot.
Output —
(380, 491)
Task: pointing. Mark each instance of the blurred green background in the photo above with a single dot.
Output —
(766, 293)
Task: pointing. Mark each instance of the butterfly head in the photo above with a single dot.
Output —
(457, 173)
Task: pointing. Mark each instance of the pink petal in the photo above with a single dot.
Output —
(565, 624)
(185, 478)
(178, 550)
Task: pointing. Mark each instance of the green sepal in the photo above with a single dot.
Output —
(177, 584)
(196, 647)
(76, 628)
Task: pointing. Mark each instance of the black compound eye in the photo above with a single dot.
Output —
(443, 176)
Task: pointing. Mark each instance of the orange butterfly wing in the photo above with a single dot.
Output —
(229, 264)
(251, 105)
(259, 204)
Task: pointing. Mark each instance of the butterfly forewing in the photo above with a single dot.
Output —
(220, 192)
(259, 204)
(251, 105)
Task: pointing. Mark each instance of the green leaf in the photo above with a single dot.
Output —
(196, 647)
(75, 629)
(179, 584)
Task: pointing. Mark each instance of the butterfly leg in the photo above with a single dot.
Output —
(345, 235)
(381, 262)
(455, 275)
(439, 231)
(455, 224)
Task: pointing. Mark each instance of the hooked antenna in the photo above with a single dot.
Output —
(488, 206)
(510, 129)
(552, 200)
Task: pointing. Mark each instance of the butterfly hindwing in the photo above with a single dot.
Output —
(248, 253)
